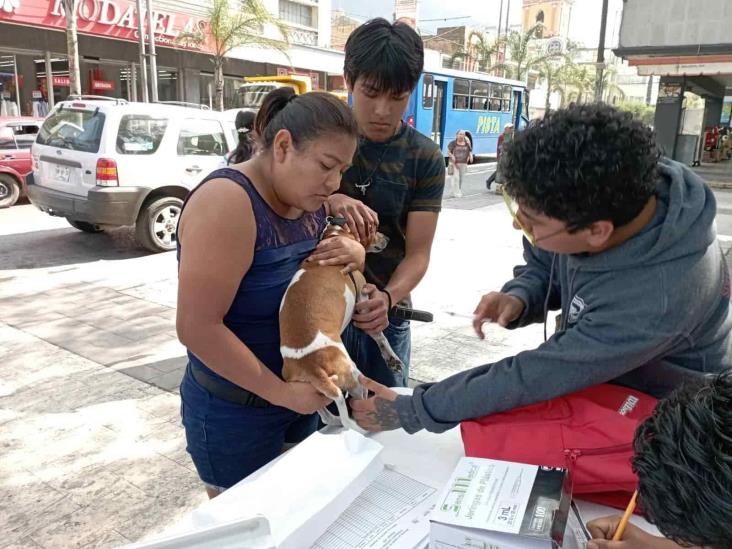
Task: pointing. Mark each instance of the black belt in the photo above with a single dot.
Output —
(237, 395)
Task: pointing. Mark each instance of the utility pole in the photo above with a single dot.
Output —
(141, 39)
(505, 41)
(600, 66)
(153, 61)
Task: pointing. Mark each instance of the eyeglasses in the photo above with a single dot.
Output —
(513, 209)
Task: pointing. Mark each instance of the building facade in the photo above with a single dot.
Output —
(33, 47)
(686, 45)
(555, 15)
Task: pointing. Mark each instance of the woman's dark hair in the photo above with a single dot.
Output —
(684, 464)
(245, 147)
(389, 56)
(583, 164)
(306, 116)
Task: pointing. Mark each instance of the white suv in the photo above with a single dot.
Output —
(100, 162)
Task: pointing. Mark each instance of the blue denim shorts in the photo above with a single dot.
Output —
(227, 441)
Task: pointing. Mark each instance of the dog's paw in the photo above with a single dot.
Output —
(395, 365)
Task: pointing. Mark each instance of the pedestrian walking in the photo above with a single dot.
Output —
(460, 152)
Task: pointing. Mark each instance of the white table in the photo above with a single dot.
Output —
(425, 457)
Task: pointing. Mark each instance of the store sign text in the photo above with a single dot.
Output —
(116, 14)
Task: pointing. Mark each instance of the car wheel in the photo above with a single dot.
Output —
(84, 226)
(157, 223)
(9, 190)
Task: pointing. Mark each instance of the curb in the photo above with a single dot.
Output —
(719, 185)
(483, 167)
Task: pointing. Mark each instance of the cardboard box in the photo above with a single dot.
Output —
(490, 504)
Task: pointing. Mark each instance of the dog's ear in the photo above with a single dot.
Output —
(378, 244)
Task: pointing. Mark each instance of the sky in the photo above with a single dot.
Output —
(584, 26)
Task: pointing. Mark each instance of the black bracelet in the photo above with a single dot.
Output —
(389, 296)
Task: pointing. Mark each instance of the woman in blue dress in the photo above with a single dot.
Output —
(242, 235)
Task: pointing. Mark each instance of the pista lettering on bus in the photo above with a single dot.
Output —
(488, 124)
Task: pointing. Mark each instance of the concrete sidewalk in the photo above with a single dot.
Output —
(93, 454)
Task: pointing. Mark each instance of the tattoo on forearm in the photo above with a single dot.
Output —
(385, 415)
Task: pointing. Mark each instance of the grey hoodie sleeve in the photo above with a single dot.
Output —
(531, 283)
(600, 348)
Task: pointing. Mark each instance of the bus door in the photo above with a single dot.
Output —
(520, 108)
(438, 115)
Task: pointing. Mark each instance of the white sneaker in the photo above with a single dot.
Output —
(459, 194)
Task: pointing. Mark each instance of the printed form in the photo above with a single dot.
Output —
(391, 512)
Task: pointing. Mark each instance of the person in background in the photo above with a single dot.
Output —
(242, 236)
(504, 139)
(395, 185)
(683, 458)
(246, 144)
(460, 152)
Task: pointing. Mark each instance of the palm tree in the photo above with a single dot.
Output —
(553, 74)
(523, 54)
(72, 47)
(609, 85)
(231, 28)
(480, 50)
(581, 80)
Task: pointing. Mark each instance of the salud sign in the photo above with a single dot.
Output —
(109, 18)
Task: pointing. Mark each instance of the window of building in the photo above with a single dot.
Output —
(202, 138)
(428, 87)
(479, 95)
(540, 21)
(299, 14)
(461, 94)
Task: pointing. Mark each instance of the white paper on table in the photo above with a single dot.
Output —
(299, 494)
(391, 513)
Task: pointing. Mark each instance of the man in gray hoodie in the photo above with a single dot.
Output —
(622, 242)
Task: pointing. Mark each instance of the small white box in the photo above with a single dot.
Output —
(490, 504)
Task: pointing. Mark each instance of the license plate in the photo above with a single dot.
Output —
(62, 173)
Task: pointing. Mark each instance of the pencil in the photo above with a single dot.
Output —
(626, 517)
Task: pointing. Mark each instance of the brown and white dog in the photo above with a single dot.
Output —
(316, 308)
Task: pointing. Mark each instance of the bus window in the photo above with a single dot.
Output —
(496, 94)
(461, 94)
(428, 86)
(479, 95)
(506, 99)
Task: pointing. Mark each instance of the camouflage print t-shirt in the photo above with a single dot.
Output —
(407, 175)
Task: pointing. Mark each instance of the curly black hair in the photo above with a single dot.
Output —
(583, 164)
(684, 464)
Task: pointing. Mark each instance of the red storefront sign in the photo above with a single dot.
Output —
(102, 85)
(108, 18)
(61, 81)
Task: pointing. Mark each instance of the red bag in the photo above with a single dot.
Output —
(590, 432)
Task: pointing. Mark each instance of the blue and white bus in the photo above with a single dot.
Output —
(447, 100)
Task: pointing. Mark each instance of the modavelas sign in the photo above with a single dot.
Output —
(109, 18)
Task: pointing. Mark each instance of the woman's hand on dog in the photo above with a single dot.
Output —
(302, 398)
(361, 219)
(340, 250)
(372, 315)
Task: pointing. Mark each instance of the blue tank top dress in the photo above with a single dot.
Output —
(228, 441)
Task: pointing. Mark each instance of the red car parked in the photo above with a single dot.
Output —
(16, 137)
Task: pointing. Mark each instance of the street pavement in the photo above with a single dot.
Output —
(93, 454)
